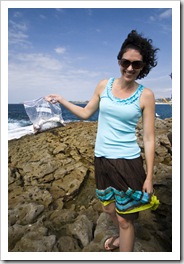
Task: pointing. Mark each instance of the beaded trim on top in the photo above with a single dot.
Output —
(128, 100)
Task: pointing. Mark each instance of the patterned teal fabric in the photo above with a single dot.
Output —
(124, 200)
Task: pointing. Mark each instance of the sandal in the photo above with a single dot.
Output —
(110, 245)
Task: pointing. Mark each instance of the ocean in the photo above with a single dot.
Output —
(20, 125)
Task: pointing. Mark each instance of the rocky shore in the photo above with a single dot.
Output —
(52, 201)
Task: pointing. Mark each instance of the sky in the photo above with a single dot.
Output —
(67, 51)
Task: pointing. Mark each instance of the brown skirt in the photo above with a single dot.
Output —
(119, 175)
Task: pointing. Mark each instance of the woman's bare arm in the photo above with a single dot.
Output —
(148, 106)
(81, 112)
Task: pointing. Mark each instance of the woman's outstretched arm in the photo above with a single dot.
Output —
(81, 112)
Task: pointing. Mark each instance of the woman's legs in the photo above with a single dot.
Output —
(126, 234)
(126, 229)
(110, 210)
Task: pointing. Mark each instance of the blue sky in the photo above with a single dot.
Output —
(69, 50)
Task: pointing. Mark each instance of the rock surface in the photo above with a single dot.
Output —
(52, 202)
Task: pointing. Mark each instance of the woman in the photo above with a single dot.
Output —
(122, 184)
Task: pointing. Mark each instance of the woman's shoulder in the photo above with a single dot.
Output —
(101, 85)
(147, 98)
(103, 82)
(147, 93)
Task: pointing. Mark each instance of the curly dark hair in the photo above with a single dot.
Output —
(146, 49)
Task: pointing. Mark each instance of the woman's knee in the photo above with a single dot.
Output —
(124, 223)
(109, 209)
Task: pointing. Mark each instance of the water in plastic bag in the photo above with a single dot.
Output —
(43, 115)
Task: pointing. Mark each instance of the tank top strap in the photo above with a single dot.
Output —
(107, 87)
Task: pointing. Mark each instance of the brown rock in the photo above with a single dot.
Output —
(52, 201)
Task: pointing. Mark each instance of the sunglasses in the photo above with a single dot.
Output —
(135, 64)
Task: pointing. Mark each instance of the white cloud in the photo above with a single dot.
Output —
(18, 34)
(166, 14)
(18, 26)
(60, 50)
(36, 74)
(162, 16)
(42, 16)
(18, 38)
(36, 61)
(17, 14)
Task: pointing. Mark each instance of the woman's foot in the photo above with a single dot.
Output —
(111, 243)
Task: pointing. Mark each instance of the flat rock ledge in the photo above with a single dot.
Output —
(52, 201)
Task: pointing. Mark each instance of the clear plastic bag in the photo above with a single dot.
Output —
(43, 115)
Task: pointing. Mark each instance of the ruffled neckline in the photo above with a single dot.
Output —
(128, 100)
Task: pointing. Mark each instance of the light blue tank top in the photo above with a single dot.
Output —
(116, 135)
